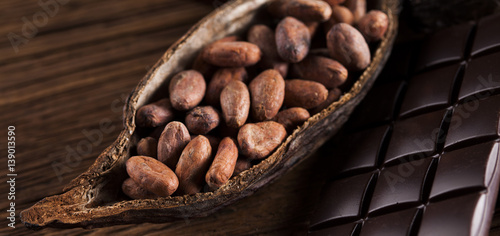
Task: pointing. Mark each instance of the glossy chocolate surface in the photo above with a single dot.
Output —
(420, 155)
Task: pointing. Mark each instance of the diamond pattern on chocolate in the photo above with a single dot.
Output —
(424, 130)
(341, 199)
(350, 158)
(482, 77)
(447, 45)
(487, 37)
(454, 189)
(380, 103)
(393, 224)
(400, 185)
(453, 216)
(346, 229)
(476, 119)
(467, 168)
(429, 90)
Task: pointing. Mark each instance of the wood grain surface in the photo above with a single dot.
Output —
(63, 89)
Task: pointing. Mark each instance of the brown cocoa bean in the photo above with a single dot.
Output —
(134, 191)
(152, 175)
(235, 103)
(323, 70)
(333, 95)
(340, 14)
(242, 164)
(373, 25)
(257, 141)
(334, 2)
(202, 120)
(304, 93)
(155, 114)
(348, 46)
(147, 146)
(267, 92)
(292, 117)
(219, 81)
(264, 38)
(187, 89)
(193, 165)
(232, 54)
(223, 165)
(204, 67)
(292, 40)
(304, 10)
(357, 7)
(172, 141)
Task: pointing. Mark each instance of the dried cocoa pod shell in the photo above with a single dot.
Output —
(81, 203)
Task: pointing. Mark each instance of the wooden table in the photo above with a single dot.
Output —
(70, 72)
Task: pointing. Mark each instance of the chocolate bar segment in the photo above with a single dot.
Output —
(487, 37)
(444, 46)
(420, 155)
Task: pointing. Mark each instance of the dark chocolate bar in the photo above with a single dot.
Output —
(420, 155)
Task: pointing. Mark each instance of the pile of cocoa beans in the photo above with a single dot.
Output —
(241, 99)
